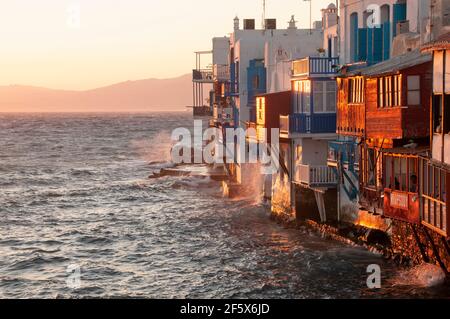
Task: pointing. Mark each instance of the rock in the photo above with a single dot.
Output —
(374, 237)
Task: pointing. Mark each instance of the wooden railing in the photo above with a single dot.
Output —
(315, 176)
(351, 119)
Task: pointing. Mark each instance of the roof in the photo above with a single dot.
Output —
(417, 151)
(273, 93)
(442, 43)
(394, 64)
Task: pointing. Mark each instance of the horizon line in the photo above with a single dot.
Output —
(94, 88)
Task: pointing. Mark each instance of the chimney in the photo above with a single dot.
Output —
(271, 24)
(249, 24)
(236, 23)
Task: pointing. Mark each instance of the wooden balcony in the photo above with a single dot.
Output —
(351, 120)
(434, 182)
(315, 176)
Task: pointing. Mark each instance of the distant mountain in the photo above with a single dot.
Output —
(131, 96)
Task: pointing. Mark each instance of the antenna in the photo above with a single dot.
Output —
(264, 15)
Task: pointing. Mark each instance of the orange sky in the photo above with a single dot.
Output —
(43, 43)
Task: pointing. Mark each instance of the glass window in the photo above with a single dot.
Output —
(380, 93)
(297, 97)
(330, 102)
(306, 101)
(388, 174)
(356, 90)
(414, 90)
(371, 163)
(318, 96)
(413, 184)
(390, 91)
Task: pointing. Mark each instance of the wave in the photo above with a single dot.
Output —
(81, 172)
(36, 260)
(425, 275)
(162, 164)
(94, 240)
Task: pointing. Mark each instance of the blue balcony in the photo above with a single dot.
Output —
(308, 124)
(344, 152)
(320, 66)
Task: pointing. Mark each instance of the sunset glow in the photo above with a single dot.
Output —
(115, 41)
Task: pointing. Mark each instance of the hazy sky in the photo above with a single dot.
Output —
(42, 43)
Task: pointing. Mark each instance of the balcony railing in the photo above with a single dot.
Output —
(202, 76)
(221, 72)
(202, 111)
(315, 176)
(308, 124)
(315, 66)
(351, 119)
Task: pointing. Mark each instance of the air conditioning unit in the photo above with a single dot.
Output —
(402, 27)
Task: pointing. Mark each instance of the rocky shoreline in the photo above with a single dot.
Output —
(375, 241)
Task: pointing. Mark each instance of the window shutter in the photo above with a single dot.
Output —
(362, 44)
(386, 40)
(399, 15)
(370, 46)
(377, 45)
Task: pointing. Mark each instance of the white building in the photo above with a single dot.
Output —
(260, 61)
(368, 28)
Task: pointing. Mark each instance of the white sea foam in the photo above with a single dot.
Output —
(425, 275)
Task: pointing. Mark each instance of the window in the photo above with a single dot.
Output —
(330, 96)
(401, 173)
(354, 37)
(434, 196)
(446, 13)
(356, 90)
(306, 101)
(256, 82)
(389, 91)
(260, 106)
(299, 152)
(324, 96)
(369, 168)
(414, 90)
(318, 90)
(302, 96)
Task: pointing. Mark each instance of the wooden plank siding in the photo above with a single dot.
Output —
(350, 117)
(400, 122)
